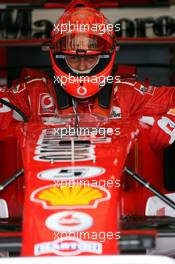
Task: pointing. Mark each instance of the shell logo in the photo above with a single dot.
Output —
(54, 196)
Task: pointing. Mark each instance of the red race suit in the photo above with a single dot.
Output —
(37, 98)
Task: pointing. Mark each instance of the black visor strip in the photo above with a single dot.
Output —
(101, 65)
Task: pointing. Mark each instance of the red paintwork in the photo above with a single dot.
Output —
(134, 40)
(10, 163)
(10, 234)
(114, 161)
(97, 3)
(148, 163)
(111, 156)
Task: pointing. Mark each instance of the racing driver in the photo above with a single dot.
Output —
(83, 75)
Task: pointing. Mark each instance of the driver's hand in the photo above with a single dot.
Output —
(163, 131)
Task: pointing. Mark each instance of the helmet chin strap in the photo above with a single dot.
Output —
(83, 72)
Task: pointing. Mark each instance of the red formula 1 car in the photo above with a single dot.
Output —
(79, 186)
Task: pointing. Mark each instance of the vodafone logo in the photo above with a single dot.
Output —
(69, 221)
(81, 90)
(46, 104)
(46, 101)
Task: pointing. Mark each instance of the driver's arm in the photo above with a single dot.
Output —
(144, 102)
(163, 131)
(160, 103)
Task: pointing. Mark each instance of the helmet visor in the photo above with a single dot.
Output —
(83, 44)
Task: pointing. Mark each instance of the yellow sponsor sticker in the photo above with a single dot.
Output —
(54, 196)
(171, 112)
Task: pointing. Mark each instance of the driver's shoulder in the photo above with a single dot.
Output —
(32, 77)
(124, 87)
